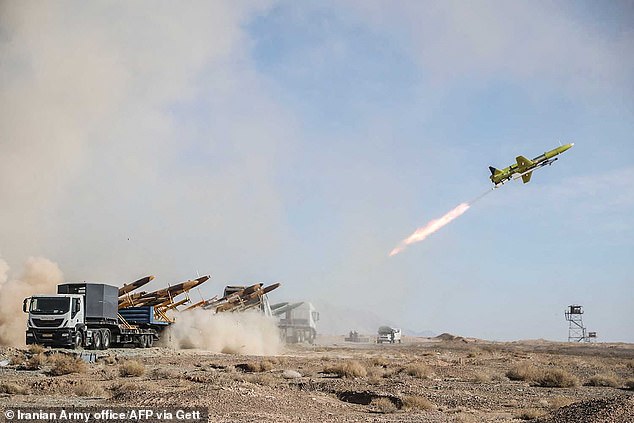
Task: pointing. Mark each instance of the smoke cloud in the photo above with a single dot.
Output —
(39, 276)
(132, 122)
(433, 226)
(249, 333)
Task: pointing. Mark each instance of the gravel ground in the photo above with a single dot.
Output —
(608, 410)
(421, 380)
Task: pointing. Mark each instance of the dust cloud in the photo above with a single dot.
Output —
(39, 276)
(249, 333)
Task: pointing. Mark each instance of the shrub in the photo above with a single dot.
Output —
(375, 372)
(481, 377)
(379, 361)
(87, 389)
(604, 380)
(265, 379)
(551, 378)
(266, 365)
(384, 405)
(260, 366)
(557, 378)
(35, 362)
(418, 370)
(13, 388)
(66, 364)
(376, 375)
(131, 368)
(16, 360)
(161, 373)
(523, 371)
(107, 359)
(418, 403)
(124, 390)
(36, 349)
(349, 369)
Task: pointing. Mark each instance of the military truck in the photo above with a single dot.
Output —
(298, 323)
(389, 335)
(87, 315)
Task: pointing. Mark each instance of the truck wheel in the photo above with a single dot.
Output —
(78, 340)
(96, 340)
(150, 341)
(141, 341)
(105, 339)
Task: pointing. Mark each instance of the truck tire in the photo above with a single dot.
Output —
(78, 341)
(96, 340)
(105, 339)
(150, 341)
(140, 342)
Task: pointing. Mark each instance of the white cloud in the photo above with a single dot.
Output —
(526, 40)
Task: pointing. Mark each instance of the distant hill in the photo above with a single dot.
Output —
(339, 320)
(423, 333)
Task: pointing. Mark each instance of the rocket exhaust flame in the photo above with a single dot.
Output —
(435, 225)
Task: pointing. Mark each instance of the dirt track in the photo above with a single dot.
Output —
(421, 380)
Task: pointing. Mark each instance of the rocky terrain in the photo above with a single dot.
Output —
(445, 379)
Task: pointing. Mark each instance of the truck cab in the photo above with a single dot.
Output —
(79, 315)
(55, 319)
(389, 335)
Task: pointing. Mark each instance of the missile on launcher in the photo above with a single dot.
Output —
(163, 296)
(127, 287)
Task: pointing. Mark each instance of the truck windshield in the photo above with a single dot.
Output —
(50, 305)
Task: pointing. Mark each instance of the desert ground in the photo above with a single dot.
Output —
(446, 379)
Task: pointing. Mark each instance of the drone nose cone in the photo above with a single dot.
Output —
(566, 147)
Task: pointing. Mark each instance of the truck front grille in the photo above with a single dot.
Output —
(41, 323)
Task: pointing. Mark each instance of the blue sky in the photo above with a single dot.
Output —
(300, 142)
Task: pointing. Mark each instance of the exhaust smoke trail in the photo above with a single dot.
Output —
(435, 225)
